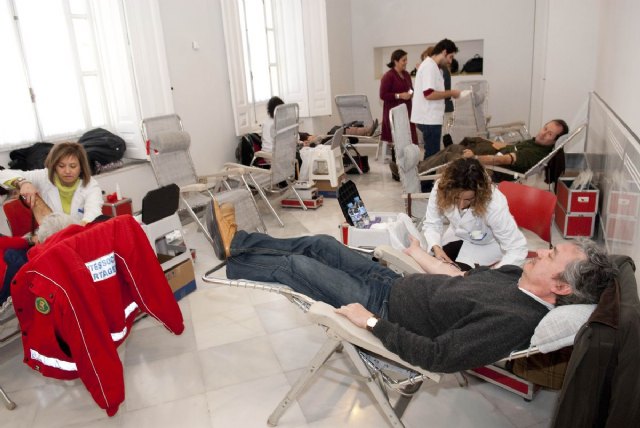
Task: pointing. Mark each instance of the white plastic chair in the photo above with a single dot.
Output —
(326, 160)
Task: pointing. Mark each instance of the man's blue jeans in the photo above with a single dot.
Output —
(431, 135)
(317, 266)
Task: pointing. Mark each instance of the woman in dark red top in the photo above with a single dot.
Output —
(395, 89)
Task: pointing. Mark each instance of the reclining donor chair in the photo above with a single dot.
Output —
(172, 164)
(470, 118)
(407, 158)
(355, 108)
(283, 161)
(544, 164)
(379, 369)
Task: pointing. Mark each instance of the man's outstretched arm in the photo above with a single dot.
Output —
(429, 263)
(492, 160)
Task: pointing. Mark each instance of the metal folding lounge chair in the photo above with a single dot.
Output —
(283, 160)
(544, 162)
(355, 108)
(470, 117)
(380, 369)
(375, 365)
(171, 163)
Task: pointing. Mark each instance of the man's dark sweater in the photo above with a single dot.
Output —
(456, 323)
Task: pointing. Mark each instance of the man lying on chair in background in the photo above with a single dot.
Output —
(518, 157)
(444, 321)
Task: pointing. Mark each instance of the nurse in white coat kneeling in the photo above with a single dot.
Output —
(480, 229)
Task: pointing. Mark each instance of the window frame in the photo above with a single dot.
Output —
(133, 77)
(300, 32)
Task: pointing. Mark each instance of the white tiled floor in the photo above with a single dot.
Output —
(240, 353)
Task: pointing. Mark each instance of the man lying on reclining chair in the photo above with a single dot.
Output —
(444, 321)
(518, 157)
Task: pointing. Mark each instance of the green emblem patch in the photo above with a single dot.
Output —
(42, 306)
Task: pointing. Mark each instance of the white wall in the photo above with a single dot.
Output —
(566, 36)
(341, 63)
(199, 79)
(505, 25)
(618, 62)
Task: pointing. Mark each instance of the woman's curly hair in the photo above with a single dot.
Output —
(461, 175)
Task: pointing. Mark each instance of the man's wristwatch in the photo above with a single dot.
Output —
(372, 321)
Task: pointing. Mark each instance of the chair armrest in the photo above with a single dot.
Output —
(343, 329)
(230, 172)
(398, 259)
(195, 187)
(243, 169)
(363, 139)
(514, 174)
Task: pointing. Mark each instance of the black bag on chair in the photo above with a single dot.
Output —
(102, 147)
(30, 158)
(474, 65)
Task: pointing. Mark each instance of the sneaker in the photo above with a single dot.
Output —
(224, 229)
(395, 174)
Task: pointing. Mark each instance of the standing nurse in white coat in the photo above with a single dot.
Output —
(65, 184)
(480, 229)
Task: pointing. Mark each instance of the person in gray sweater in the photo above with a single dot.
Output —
(443, 321)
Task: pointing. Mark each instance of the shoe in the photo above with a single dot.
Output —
(224, 229)
(395, 174)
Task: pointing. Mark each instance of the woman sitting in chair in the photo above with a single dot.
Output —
(481, 229)
(65, 184)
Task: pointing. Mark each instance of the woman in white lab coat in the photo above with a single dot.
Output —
(65, 184)
(480, 229)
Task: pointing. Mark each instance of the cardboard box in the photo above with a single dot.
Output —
(121, 207)
(182, 279)
(577, 201)
(572, 225)
(325, 189)
(367, 238)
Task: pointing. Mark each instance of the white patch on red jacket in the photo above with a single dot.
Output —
(102, 268)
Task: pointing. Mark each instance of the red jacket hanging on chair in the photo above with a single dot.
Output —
(77, 297)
